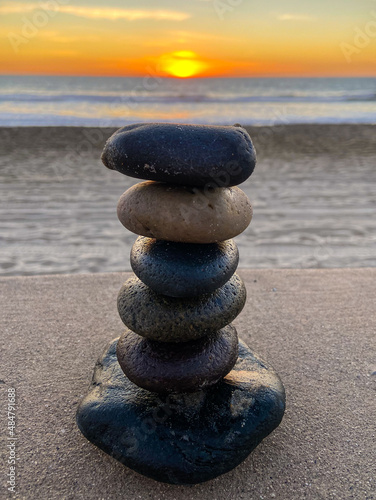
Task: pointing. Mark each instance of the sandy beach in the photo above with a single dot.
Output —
(316, 328)
(313, 193)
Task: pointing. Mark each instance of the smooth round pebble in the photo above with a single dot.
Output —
(184, 214)
(183, 269)
(191, 155)
(184, 367)
(170, 319)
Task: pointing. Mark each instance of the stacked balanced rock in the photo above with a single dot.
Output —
(180, 399)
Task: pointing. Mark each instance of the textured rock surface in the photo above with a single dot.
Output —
(183, 269)
(193, 155)
(178, 367)
(184, 214)
(185, 438)
(170, 319)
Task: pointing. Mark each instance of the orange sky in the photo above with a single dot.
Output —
(183, 39)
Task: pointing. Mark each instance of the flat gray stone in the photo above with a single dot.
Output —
(171, 319)
(186, 438)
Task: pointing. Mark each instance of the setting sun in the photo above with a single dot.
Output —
(182, 64)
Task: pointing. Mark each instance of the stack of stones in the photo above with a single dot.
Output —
(179, 343)
(179, 308)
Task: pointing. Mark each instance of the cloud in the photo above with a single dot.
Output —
(295, 17)
(97, 13)
(128, 14)
(16, 8)
(184, 36)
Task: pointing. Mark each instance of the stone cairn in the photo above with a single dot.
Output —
(179, 343)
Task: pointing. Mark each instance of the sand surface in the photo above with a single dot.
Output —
(316, 327)
(313, 192)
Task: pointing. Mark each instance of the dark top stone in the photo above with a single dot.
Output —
(171, 319)
(183, 269)
(193, 155)
(184, 367)
(182, 438)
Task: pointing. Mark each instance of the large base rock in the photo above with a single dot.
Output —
(182, 438)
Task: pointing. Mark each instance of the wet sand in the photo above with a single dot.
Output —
(313, 192)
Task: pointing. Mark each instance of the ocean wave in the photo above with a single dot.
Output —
(129, 98)
(55, 120)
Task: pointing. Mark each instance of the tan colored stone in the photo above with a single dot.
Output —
(184, 214)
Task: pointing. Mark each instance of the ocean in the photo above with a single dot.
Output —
(106, 102)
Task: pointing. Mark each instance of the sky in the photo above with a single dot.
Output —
(202, 38)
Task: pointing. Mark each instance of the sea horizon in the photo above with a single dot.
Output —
(30, 100)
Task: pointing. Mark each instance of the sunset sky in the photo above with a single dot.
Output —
(189, 38)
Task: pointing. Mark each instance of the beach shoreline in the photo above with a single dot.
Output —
(313, 193)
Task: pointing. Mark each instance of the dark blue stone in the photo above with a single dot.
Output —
(182, 438)
(183, 269)
(192, 155)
